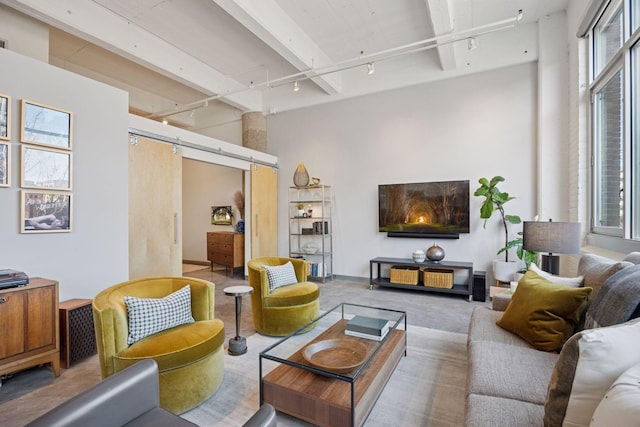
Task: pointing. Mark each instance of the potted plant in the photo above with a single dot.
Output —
(300, 207)
(494, 200)
(523, 254)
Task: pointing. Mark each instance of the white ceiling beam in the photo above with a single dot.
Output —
(441, 21)
(92, 22)
(267, 20)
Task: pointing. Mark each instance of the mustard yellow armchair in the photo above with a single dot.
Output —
(283, 310)
(190, 356)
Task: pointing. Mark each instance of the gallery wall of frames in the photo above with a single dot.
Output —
(45, 164)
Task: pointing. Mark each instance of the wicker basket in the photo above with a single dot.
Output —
(404, 275)
(437, 278)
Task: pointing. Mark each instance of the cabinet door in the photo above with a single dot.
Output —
(12, 323)
(41, 312)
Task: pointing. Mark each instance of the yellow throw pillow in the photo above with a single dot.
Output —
(542, 313)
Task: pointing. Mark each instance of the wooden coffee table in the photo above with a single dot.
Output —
(322, 396)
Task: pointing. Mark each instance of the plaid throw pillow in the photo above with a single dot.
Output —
(148, 316)
(280, 275)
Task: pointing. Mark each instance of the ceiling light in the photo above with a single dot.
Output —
(296, 86)
(472, 44)
(370, 69)
(165, 121)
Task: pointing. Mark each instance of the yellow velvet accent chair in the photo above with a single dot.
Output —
(287, 308)
(190, 357)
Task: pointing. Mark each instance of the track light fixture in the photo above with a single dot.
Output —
(370, 69)
(469, 34)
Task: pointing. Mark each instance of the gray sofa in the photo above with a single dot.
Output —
(129, 398)
(508, 380)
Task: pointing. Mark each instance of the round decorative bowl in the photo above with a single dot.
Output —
(435, 253)
(418, 255)
(336, 355)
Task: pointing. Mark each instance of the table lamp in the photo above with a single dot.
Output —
(551, 237)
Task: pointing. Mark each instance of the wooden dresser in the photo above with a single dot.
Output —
(29, 326)
(225, 248)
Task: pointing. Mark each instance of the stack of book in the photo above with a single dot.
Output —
(368, 327)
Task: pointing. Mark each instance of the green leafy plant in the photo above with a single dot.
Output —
(494, 200)
(523, 254)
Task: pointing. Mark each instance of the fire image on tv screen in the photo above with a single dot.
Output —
(424, 208)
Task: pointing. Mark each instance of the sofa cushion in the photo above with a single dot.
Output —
(483, 411)
(176, 347)
(280, 275)
(542, 313)
(147, 316)
(508, 371)
(596, 269)
(620, 407)
(482, 327)
(633, 257)
(292, 295)
(618, 300)
(588, 364)
(571, 282)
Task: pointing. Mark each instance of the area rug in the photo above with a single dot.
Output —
(426, 389)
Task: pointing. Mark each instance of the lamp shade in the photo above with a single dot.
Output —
(552, 237)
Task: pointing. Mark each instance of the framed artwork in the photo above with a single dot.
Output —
(5, 164)
(45, 168)
(221, 215)
(45, 212)
(5, 117)
(45, 125)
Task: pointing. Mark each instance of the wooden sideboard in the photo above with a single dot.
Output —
(225, 248)
(29, 326)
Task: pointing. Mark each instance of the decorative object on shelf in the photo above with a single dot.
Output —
(315, 182)
(418, 255)
(310, 249)
(435, 253)
(301, 176)
(300, 207)
(238, 199)
(336, 355)
(240, 226)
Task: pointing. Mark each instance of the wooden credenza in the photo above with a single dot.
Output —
(225, 248)
(29, 326)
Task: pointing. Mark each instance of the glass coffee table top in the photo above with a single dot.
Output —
(334, 349)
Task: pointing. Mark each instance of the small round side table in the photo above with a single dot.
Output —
(238, 344)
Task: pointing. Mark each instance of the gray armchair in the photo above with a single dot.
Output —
(129, 398)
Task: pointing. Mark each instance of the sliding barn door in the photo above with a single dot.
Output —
(264, 211)
(155, 207)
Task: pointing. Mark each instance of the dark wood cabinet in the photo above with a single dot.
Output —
(225, 248)
(29, 326)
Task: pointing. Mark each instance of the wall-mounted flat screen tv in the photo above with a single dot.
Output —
(426, 209)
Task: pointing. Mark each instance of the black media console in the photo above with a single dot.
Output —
(462, 288)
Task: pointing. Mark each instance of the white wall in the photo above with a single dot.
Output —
(205, 185)
(95, 253)
(465, 128)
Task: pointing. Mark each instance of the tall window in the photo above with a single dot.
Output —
(615, 52)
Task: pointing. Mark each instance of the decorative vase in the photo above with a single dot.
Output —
(435, 253)
(240, 226)
(301, 176)
(418, 255)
